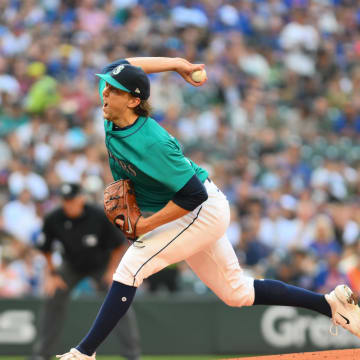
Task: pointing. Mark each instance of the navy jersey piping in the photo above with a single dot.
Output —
(125, 127)
(171, 241)
(123, 137)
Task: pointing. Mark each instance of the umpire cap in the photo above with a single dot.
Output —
(129, 78)
(70, 190)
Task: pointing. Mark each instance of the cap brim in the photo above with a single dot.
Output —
(69, 197)
(109, 79)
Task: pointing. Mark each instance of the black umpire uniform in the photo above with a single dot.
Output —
(87, 241)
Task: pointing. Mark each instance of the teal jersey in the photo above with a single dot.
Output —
(152, 158)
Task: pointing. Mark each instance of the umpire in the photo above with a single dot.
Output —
(91, 247)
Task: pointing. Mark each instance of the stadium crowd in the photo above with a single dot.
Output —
(276, 125)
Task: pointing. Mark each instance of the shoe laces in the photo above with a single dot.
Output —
(334, 330)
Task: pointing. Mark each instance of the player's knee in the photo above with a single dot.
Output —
(237, 301)
(241, 295)
(124, 275)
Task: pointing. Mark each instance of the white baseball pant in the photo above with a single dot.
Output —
(198, 238)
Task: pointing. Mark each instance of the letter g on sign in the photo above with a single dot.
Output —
(276, 326)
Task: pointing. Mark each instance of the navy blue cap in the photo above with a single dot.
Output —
(70, 190)
(129, 78)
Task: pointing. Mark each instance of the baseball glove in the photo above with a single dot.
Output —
(120, 203)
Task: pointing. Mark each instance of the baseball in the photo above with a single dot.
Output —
(198, 75)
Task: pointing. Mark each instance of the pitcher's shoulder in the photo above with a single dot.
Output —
(155, 133)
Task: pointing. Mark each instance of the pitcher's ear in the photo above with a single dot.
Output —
(134, 101)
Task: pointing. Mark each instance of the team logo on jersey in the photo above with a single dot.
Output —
(66, 189)
(90, 240)
(118, 69)
(129, 168)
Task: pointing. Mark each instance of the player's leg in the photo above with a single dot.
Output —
(114, 307)
(341, 304)
(126, 330)
(176, 241)
(162, 247)
(53, 315)
(218, 268)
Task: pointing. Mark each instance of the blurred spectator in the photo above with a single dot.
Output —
(43, 92)
(12, 284)
(254, 250)
(354, 277)
(8, 83)
(91, 18)
(187, 14)
(71, 168)
(300, 39)
(29, 267)
(324, 242)
(16, 40)
(269, 229)
(305, 225)
(24, 178)
(330, 275)
(21, 211)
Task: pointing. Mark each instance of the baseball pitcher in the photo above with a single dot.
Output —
(190, 214)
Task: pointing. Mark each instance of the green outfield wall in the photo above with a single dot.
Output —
(182, 325)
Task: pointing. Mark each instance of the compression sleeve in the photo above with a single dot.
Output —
(191, 195)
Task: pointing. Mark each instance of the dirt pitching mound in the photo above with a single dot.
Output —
(347, 354)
